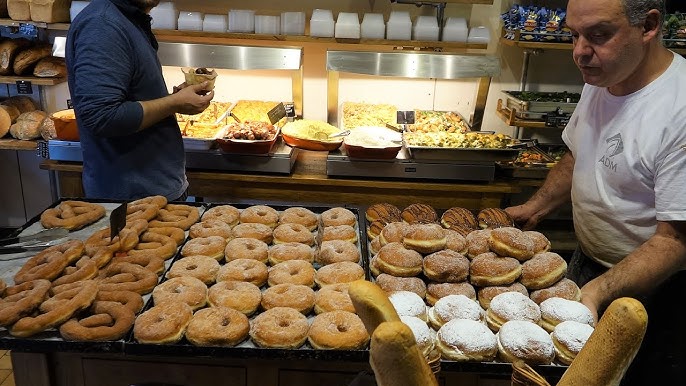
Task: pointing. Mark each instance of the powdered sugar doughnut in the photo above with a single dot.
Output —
(569, 337)
(422, 333)
(225, 213)
(541, 243)
(335, 251)
(511, 306)
(454, 307)
(557, 310)
(279, 253)
(254, 231)
(466, 340)
(526, 341)
(249, 270)
(486, 294)
(338, 216)
(408, 304)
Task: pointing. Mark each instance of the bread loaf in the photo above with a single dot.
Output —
(21, 102)
(611, 347)
(50, 67)
(12, 111)
(47, 129)
(27, 57)
(28, 125)
(8, 50)
(50, 11)
(5, 122)
(371, 304)
(19, 9)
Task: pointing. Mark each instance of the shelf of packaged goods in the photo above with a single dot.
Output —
(509, 116)
(557, 46)
(39, 24)
(16, 144)
(33, 79)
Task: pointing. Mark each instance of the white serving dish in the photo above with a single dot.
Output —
(265, 24)
(347, 25)
(293, 23)
(321, 23)
(242, 20)
(190, 21)
(373, 26)
(455, 30)
(399, 26)
(215, 23)
(425, 28)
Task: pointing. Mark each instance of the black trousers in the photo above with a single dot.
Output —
(661, 359)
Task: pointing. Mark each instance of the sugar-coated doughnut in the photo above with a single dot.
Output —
(246, 248)
(391, 284)
(217, 326)
(466, 340)
(569, 337)
(435, 291)
(393, 232)
(394, 259)
(494, 218)
(455, 241)
(185, 289)
(454, 307)
(423, 334)
(254, 231)
(419, 214)
(343, 272)
(260, 214)
(337, 330)
(252, 271)
(477, 242)
(333, 297)
(446, 266)
(461, 217)
(511, 306)
(293, 272)
(340, 232)
(425, 238)
(225, 213)
(298, 297)
(557, 310)
(511, 242)
(564, 288)
(488, 269)
(541, 243)
(200, 267)
(526, 341)
(210, 227)
(408, 303)
(279, 327)
(293, 233)
(383, 212)
(212, 246)
(543, 270)
(462, 231)
(299, 215)
(238, 295)
(163, 324)
(279, 253)
(336, 251)
(486, 294)
(374, 229)
(375, 246)
(338, 216)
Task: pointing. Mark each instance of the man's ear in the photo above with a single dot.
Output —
(652, 25)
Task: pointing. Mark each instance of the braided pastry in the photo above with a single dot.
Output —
(72, 215)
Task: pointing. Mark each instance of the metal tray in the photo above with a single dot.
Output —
(460, 154)
(531, 109)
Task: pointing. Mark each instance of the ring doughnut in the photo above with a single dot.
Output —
(254, 231)
(419, 214)
(279, 253)
(211, 227)
(293, 233)
(383, 212)
(488, 269)
(511, 242)
(163, 323)
(72, 215)
(486, 294)
(565, 288)
(141, 211)
(249, 270)
(338, 216)
(185, 289)
(511, 306)
(177, 234)
(446, 266)
(293, 272)
(279, 327)
(436, 291)
(343, 272)
(396, 260)
(128, 277)
(454, 307)
(217, 326)
(238, 295)
(50, 262)
(22, 299)
(212, 246)
(517, 338)
(159, 201)
(336, 251)
(543, 270)
(155, 244)
(477, 242)
(198, 266)
(225, 213)
(390, 284)
(115, 326)
(299, 215)
(128, 299)
(455, 241)
(176, 215)
(339, 232)
(246, 248)
(337, 330)
(298, 297)
(147, 261)
(541, 243)
(393, 232)
(260, 214)
(461, 217)
(333, 297)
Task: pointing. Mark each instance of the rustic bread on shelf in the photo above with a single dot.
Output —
(8, 50)
(50, 11)
(19, 9)
(27, 57)
(50, 67)
(28, 125)
(22, 103)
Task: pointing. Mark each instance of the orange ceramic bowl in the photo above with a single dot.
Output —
(65, 125)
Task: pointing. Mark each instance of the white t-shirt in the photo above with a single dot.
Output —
(630, 164)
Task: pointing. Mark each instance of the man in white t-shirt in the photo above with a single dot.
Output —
(626, 174)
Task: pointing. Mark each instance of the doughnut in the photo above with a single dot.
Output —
(338, 216)
(155, 244)
(435, 291)
(249, 270)
(454, 307)
(494, 218)
(148, 261)
(511, 306)
(127, 277)
(446, 266)
(557, 310)
(569, 337)
(543, 270)
(343, 272)
(337, 330)
(21, 300)
(86, 271)
(486, 294)
(293, 272)
(128, 299)
(393, 233)
(200, 267)
(109, 321)
(419, 213)
(375, 246)
(374, 266)
(211, 227)
(422, 333)
(333, 297)
(184, 289)
(162, 324)
(383, 212)
(339, 232)
(390, 284)
(466, 340)
(396, 260)
(488, 269)
(224, 213)
(3, 286)
(425, 238)
(526, 341)
(67, 304)
(246, 248)
(72, 215)
(290, 251)
(298, 297)
(454, 241)
(477, 242)
(511, 242)
(374, 229)
(127, 239)
(293, 233)
(217, 326)
(460, 217)
(541, 243)
(461, 230)
(299, 215)
(564, 288)
(242, 296)
(254, 231)
(260, 214)
(335, 251)
(212, 246)
(177, 234)
(408, 303)
(49, 263)
(176, 215)
(141, 211)
(159, 201)
(279, 327)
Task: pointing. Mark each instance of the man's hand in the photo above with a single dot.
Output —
(525, 216)
(192, 99)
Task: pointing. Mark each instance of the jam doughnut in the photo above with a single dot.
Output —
(290, 251)
(338, 216)
(217, 326)
(541, 243)
(298, 297)
(454, 241)
(293, 272)
(390, 284)
(200, 267)
(419, 214)
(176, 215)
(163, 324)
(155, 244)
(526, 341)
(335, 251)
(564, 288)
(488, 269)
(72, 215)
(337, 330)
(466, 340)
(293, 233)
(22, 299)
(425, 238)
(477, 242)
(436, 291)
(446, 266)
(511, 306)
(568, 339)
(383, 212)
(423, 334)
(109, 321)
(543, 270)
(486, 294)
(333, 297)
(343, 272)
(260, 214)
(184, 289)
(177, 234)
(511, 242)
(374, 229)
(396, 260)
(158, 201)
(299, 215)
(238, 295)
(212, 246)
(224, 213)
(557, 310)
(127, 277)
(211, 227)
(494, 218)
(128, 299)
(408, 303)
(393, 233)
(461, 217)
(49, 263)
(279, 327)
(254, 231)
(246, 248)
(249, 270)
(339, 232)
(454, 307)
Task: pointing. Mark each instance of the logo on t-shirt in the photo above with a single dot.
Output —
(615, 146)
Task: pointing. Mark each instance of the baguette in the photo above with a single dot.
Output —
(371, 304)
(396, 358)
(611, 347)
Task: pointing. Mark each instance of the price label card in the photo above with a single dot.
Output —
(557, 120)
(405, 117)
(69, 104)
(117, 220)
(275, 114)
(24, 87)
(290, 110)
(28, 30)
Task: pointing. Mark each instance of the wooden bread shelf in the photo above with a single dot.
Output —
(16, 144)
(509, 116)
(33, 79)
